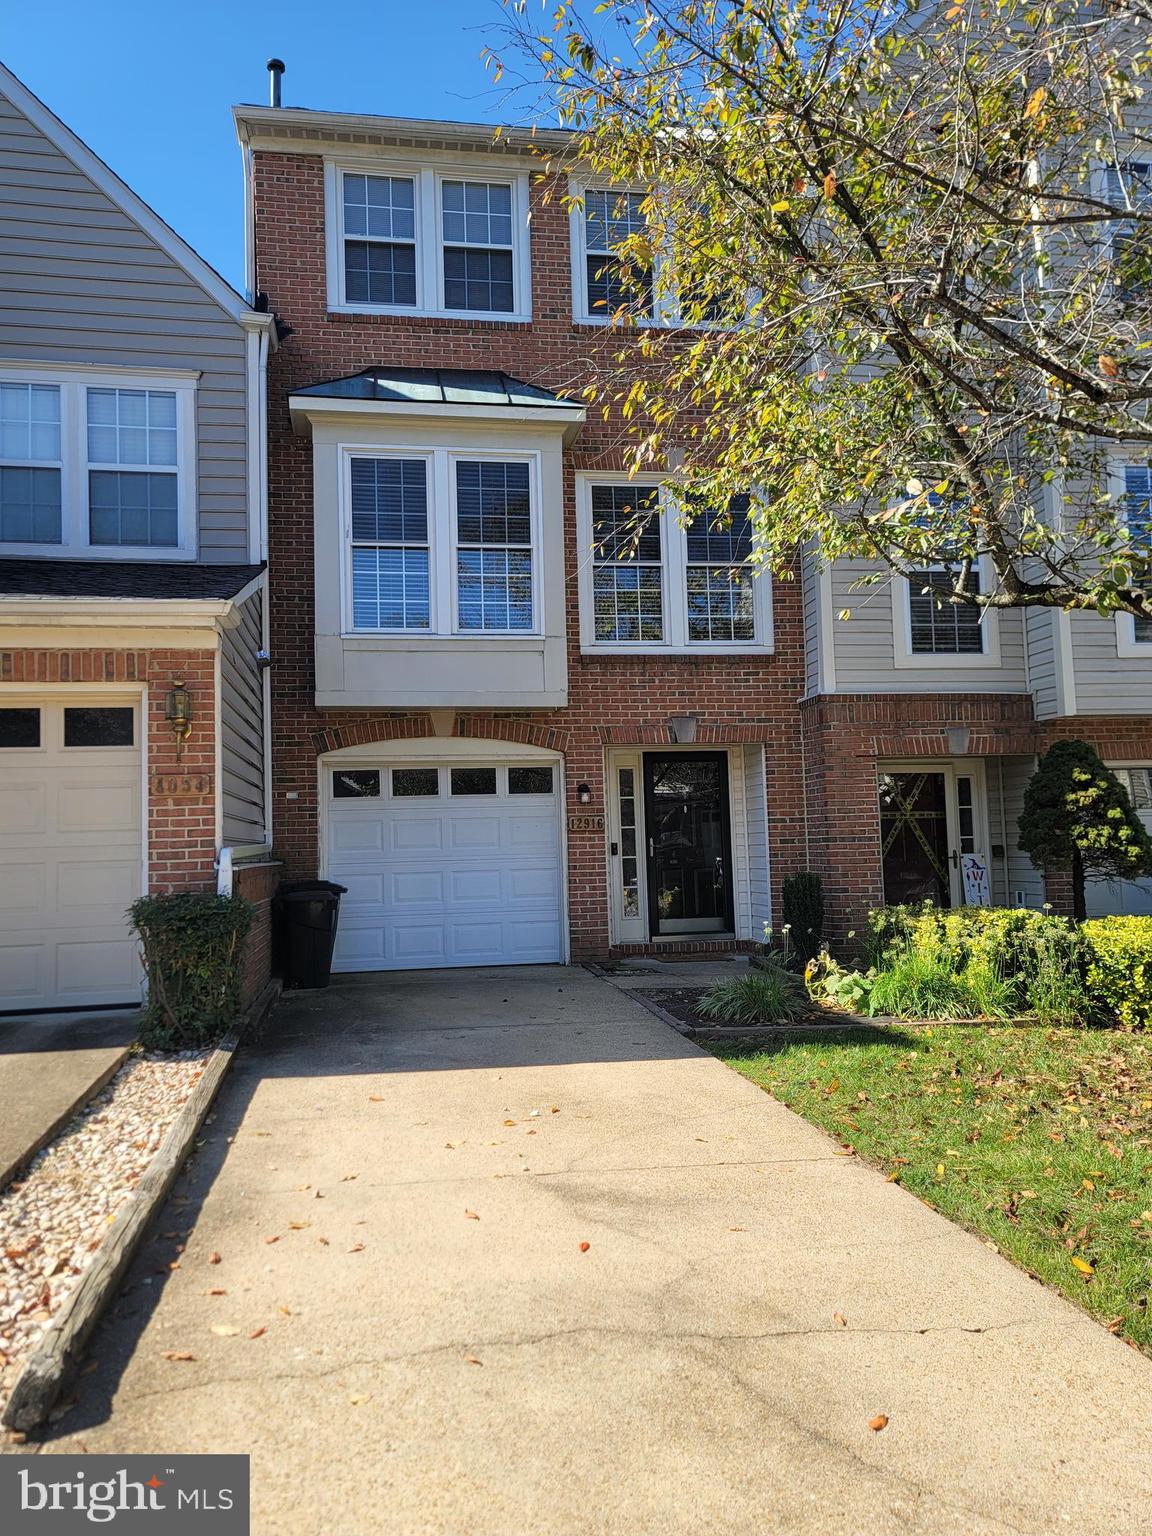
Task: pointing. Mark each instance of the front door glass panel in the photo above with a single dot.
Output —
(689, 866)
(914, 838)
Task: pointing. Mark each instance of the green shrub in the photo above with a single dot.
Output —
(922, 982)
(802, 903)
(1120, 966)
(1017, 960)
(828, 982)
(193, 946)
(767, 995)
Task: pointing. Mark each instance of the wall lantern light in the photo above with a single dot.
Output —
(178, 713)
(584, 794)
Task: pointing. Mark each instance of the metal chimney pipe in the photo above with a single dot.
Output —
(275, 71)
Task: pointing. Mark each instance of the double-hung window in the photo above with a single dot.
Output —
(611, 281)
(1137, 492)
(390, 577)
(655, 576)
(442, 543)
(1129, 184)
(95, 463)
(494, 545)
(937, 626)
(413, 240)
(31, 464)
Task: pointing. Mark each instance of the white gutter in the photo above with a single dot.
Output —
(141, 612)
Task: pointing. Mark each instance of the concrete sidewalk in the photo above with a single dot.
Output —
(416, 1165)
(50, 1068)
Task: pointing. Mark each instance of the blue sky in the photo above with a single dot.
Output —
(150, 86)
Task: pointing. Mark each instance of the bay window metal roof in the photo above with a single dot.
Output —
(438, 386)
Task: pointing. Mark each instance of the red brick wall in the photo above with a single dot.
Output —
(257, 883)
(612, 699)
(181, 831)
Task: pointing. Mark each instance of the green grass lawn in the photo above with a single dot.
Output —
(1038, 1139)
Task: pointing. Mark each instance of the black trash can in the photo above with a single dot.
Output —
(307, 912)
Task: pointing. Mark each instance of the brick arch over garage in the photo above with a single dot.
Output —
(363, 733)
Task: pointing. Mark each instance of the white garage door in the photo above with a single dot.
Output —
(445, 865)
(70, 851)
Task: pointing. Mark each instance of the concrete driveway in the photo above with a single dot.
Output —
(399, 1183)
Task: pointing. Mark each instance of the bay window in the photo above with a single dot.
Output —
(442, 543)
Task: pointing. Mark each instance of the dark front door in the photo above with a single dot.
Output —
(689, 846)
(914, 838)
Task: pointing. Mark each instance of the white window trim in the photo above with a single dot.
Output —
(1127, 644)
(674, 594)
(902, 653)
(442, 542)
(75, 525)
(665, 304)
(429, 237)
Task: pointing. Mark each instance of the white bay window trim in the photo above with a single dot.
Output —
(428, 180)
(75, 462)
(443, 542)
(674, 583)
(1128, 643)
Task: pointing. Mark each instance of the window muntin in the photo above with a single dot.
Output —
(19, 728)
(379, 239)
(938, 627)
(494, 545)
(390, 547)
(477, 231)
(611, 282)
(718, 576)
(627, 564)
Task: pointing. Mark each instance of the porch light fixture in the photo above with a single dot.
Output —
(178, 713)
(584, 794)
(682, 729)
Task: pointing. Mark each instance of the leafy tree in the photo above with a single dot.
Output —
(928, 237)
(1078, 816)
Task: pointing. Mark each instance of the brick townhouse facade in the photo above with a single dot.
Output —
(511, 746)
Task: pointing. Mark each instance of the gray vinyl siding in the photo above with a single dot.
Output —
(1106, 682)
(242, 727)
(865, 646)
(80, 282)
(758, 862)
(1040, 636)
(1023, 876)
(810, 594)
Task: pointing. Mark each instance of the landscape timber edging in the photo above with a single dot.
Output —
(58, 1354)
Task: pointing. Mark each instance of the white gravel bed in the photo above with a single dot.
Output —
(53, 1219)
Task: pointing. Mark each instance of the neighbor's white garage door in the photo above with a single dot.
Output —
(70, 851)
(445, 865)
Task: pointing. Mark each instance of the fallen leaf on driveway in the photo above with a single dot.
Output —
(509, 1122)
(584, 1247)
(216, 1290)
(323, 1240)
(287, 1311)
(472, 1360)
(737, 1229)
(213, 1258)
(839, 1319)
(274, 1239)
(471, 1215)
(256, 1332)
(302, 1187)
(224, 1330)
(555, 1109)
(363, 1397)
(178, 1354)
(356, 1248)
(375, 1098)
(298, 1226)
(348, 1177)
(878, 1423)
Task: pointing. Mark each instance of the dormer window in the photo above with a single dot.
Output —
(406, 239)
(95, 464)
